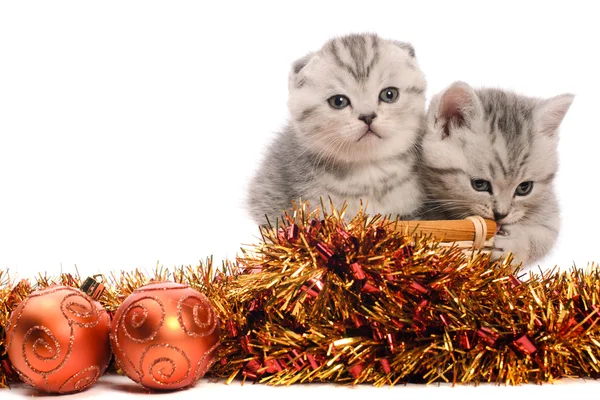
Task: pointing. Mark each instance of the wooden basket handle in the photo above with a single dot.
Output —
(474, 229)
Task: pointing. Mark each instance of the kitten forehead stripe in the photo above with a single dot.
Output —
(492, 170)
(493, 124)
(357, 45)
(524, 160)
(500, 163)
(336, 56)
(519, 163)
(375, 59)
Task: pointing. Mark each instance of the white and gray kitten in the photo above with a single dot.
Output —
(357, 110)
(493, 153)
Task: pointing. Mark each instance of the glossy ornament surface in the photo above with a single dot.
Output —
(165, 336)
(57, 340)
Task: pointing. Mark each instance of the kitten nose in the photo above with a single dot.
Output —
(498, 216)
(367, 118)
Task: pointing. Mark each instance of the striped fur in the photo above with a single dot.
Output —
(323, 152)
(503, 138)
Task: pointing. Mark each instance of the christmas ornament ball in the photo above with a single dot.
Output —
(165, 336)
(57, 340)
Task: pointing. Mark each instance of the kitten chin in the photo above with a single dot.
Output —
(493, 153)
(357, 116)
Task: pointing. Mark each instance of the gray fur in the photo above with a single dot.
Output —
(322, 153)
(503, 138)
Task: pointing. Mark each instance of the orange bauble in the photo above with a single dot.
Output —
(165, 336)
(57, 340)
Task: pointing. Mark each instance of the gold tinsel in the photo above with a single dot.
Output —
(11, 294)
(321, 299)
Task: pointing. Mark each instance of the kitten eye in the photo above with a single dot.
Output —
(389, 95)
(481, 185)
(524, 188)
(338, 101)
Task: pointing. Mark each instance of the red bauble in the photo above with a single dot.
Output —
(57, 340)
(165, 336)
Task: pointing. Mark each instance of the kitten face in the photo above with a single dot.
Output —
(492, 153)
(359, 98)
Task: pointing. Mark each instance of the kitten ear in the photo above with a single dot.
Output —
(300, 63)
(457, 106)
(405, 46)
(550, 113)
(297, 67)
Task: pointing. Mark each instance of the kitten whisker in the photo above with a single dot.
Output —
(323, 138)
(448, 201)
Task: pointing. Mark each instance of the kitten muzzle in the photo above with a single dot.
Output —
(369, 132)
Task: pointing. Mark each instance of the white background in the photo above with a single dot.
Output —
(129, 129)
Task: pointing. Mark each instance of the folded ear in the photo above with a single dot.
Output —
(405, 46)
(550, 113)
(457, 106)
(301, 63)
(295, 78)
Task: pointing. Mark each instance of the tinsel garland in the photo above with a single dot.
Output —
(319, 299)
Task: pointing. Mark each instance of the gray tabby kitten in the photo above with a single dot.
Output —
(493, 153)
(357, 110)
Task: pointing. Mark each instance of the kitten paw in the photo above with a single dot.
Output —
(498, 254)
(506, 244)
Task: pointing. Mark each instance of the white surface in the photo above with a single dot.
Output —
(129, 129)
(118, 387)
